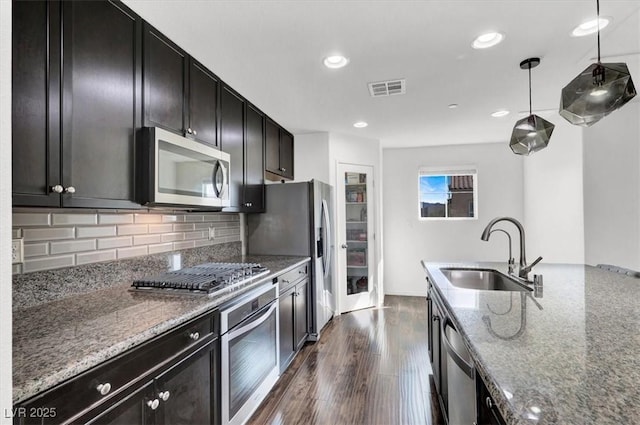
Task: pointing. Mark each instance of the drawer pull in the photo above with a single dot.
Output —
(194, 336)
(153, 404)
(104, 388)
(489, 403)
(164, 395)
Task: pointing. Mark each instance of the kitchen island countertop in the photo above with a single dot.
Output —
(571, 356)
(57, 340)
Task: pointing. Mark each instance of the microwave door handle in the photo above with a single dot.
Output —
(214, 180)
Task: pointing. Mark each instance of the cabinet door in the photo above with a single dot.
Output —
(232, 140)
(203, 104)
(253, 200)
(287, 346)
(187, 392)
(35, 107)
(488, 413)
(132, 409)
(286, 154)
(165, 70)
(300, 300)
(272, 147)
(102, 85)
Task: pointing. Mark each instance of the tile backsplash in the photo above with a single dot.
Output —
(62, 238)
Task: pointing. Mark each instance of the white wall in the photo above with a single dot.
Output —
(553, 201)
(5, 212)
(407, 240)
(612, 189)
(311, 157)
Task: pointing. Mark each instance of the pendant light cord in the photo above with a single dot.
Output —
(598, 21)
(530, 109)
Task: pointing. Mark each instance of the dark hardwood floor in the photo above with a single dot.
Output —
(370, 367)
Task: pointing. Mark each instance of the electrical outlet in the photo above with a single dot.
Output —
(212, 233)
(17, 251)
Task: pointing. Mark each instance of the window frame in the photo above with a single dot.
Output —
(461, 170)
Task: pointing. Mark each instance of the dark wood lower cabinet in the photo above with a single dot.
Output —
(488, 413)
(130, 410)
(293, 321)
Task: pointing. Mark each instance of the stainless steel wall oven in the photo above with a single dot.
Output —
(249, 352)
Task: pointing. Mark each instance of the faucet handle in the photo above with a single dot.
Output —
(536, 261)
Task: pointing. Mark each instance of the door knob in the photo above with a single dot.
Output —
(57, 188)
(153, 404)
(344, 246)
(70, 189)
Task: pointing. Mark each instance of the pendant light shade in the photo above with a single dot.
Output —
(597, 91)
(531, 133)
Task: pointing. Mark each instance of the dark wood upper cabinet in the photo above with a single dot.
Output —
(232, 141)
(35, 109)
(203, 104)
(165, 82)
(180, 94)
(253, 199)
(75, 113)
(278, 152)
(100, 99)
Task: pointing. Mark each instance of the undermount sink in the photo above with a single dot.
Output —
(484, 279)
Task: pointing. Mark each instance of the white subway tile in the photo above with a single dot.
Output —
(48, 234)
(31, 219)
(173, 218)
(171, 237)
(196, 235)
(132, 252)
(77, 219)
(189, 218)
(115, 218)
(203, 242)
(160, 228)
(115, 242)
(73, 246)
(36, 249)
(95, 232)
(203, 226)
(146, 239)
(133, 229)
(95, 257)
(184, 227)
(47, 263)
(164, 247)
(147, 218)
(184, 245)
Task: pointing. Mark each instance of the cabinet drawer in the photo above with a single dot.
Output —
(293, 276)
(118, 375)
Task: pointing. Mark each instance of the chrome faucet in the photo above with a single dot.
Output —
(511, 261)
(524, 268)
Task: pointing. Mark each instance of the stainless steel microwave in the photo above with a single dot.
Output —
(175, 171)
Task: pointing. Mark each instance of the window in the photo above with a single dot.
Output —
(447, 194)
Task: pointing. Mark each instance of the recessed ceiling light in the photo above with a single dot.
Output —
(452, 105)
(487, 40)
(500, 113)
(335, 62)
(360, 124)
(590, 27)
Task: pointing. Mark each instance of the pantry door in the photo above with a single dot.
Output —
(355, 209)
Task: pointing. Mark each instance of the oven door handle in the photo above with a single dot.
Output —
(254, 323)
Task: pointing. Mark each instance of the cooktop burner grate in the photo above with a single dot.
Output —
(204, 278)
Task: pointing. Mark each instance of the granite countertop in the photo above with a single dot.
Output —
(57, 340)
(571, 356)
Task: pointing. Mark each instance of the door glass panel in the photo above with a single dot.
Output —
(185, 172)
(356, 228)
(252, 356)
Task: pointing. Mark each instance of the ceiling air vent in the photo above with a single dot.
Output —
(387, 88)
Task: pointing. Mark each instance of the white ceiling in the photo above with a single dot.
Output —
(271, 51)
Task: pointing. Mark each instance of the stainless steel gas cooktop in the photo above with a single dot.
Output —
(202, 279)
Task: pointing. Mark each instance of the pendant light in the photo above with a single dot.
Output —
(597, 91)
(532, 133)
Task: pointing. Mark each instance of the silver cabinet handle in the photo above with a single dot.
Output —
(284, 170)
(248, 204)
(70, 189)
(104, 388)
(189, 131)
(285, 281)
(344, 246)
(489, 403)
(195, 133)
(164, 395)
(153, 404)
(57, 188)
(194, 336)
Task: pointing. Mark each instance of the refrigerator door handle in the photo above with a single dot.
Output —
(326, 260)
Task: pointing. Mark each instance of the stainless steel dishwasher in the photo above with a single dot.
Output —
(460, 377)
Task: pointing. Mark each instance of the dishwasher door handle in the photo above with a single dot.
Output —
(467, 368)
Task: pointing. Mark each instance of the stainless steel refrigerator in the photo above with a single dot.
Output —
(298, 220)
